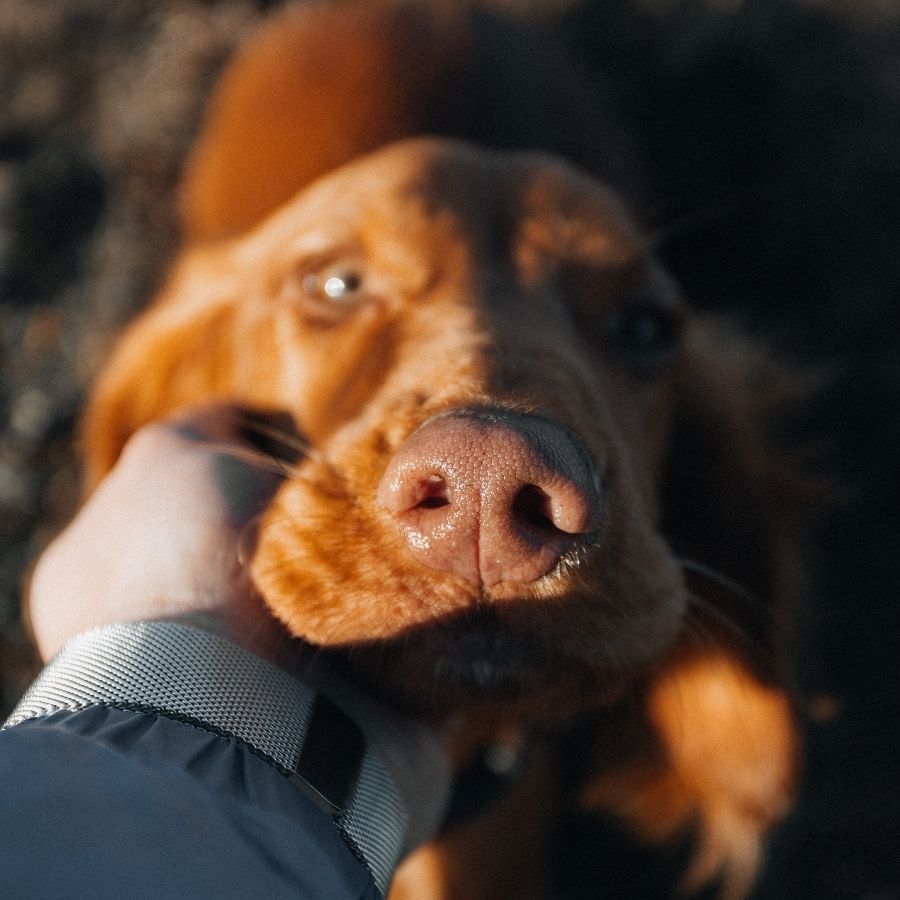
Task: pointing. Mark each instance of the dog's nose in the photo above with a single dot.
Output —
(495, 497)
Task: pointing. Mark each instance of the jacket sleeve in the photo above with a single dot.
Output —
(159, 760)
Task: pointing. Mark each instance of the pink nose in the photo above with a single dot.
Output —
(491, 496)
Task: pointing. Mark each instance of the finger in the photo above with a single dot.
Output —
(207, 451)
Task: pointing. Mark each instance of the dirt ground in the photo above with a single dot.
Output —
(770, 136)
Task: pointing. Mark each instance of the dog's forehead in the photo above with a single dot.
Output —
(411, 185)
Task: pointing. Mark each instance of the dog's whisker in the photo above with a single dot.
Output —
(730, 629)
(700, 634)
(301, 447)
(246, 542)
(282, 436)
(720, 581)
(255, 458)
(714, 213)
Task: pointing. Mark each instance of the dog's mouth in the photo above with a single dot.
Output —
(443, 665)
(478, 656)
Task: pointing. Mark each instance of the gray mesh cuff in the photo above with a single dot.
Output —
(192, 675)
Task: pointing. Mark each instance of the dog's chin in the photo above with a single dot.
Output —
(446, 667)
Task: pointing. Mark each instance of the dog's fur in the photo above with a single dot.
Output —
(494, 278)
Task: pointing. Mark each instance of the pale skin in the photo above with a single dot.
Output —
(165, 535)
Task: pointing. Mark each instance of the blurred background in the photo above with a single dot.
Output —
(769, 137)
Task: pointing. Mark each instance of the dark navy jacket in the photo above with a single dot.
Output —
(158, 760)
(105, 802)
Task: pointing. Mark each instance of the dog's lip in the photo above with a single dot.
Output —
(477, 642)
(481, 657)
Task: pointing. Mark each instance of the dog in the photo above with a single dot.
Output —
(535, 496)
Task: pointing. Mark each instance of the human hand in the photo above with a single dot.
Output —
(164, 535)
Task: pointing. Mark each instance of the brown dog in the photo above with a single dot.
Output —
(511, 418)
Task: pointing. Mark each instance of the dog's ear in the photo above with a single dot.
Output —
(734, 499)
(310, 92)
(145, 380)
(153, 370)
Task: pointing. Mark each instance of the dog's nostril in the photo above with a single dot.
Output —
(531, 506)
(433, 503)
(433, 492)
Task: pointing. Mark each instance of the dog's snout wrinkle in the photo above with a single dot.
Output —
(493, 498)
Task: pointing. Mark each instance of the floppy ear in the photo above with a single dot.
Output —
(152, 374)
(192, 346)
(708, 745)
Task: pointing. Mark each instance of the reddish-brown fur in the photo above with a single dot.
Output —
(488, 279)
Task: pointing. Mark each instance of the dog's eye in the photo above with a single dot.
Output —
(644, 334)
(339, 285)
(329, 293)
